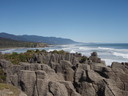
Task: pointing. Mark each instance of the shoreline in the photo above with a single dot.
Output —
(107, 54)
(20, 48)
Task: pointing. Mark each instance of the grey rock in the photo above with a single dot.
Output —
(27, 81)
(94, 58)
(63, 75)
(70, 88)
(5, 64)
(94, 54)
(81, 73)
(87, 89)
(57, 89)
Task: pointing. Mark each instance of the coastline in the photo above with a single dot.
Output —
(107, 53)
(9, 48)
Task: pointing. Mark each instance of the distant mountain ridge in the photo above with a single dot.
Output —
(35, 38)
(10, 43)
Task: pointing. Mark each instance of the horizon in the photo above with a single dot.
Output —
(82, 21)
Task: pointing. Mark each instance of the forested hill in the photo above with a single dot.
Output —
(9, 43)
(35, 38)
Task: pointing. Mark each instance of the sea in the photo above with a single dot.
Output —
(113, 52)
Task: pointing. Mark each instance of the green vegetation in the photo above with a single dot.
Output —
(2, 76)
(44, 51)
(83, 59)
(11, 88)
(59, 52)
(9, 43)
(15, 58)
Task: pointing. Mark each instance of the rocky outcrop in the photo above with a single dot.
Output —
(9, 90)
(54, 74)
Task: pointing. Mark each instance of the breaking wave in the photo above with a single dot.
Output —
(105, 48)
(109, 54)
(121, 54)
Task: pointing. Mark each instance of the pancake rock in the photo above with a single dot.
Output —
(55, 74)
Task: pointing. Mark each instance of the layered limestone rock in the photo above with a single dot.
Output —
(56, 74)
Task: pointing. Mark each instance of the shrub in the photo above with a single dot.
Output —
(30, 51)
(44, 51)
(59, 52)
(37, 51)
(2, 76)
(83, 59)
(15, 58)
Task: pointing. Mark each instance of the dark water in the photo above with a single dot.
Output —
(110, 45)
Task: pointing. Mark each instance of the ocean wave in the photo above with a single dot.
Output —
(72, 51)
(87, 48)
(50, 50)
(108, 62)
(121, 55)
(8, 51)
(113, 49)
(105, 48)
(83, 48)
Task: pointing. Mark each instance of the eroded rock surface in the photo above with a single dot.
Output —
(63, 75)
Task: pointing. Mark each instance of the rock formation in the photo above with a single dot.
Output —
(54, 74)
(10, 90)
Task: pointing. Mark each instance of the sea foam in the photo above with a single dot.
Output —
(109, 54)
(121, 54)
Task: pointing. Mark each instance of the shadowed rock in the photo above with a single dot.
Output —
(55, 74)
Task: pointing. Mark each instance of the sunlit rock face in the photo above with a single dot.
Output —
(55, 74)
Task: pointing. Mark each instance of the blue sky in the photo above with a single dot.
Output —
(80, 20)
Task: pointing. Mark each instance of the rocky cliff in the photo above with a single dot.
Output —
(55, 74)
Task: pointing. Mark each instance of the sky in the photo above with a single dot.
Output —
(81, 20)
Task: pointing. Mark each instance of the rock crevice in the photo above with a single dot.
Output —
(55, 74)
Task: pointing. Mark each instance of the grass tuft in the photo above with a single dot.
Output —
(11, 88)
